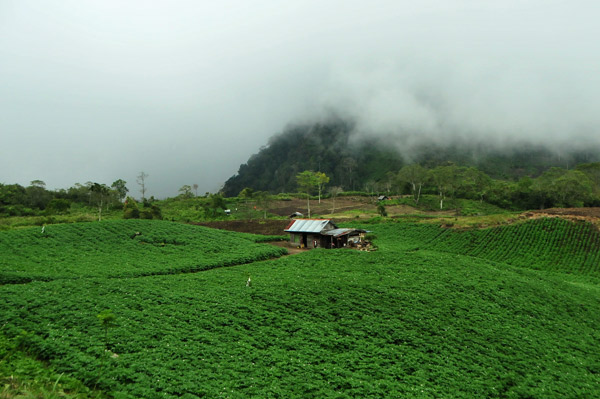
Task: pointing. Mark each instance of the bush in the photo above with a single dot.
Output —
(130, 209)
(145, 213)
(58, 205)
(156, 212)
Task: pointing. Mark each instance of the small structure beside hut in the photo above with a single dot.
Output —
(322, 233)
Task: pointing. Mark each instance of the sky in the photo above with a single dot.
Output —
(186, 91)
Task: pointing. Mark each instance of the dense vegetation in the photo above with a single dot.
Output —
(356, 162)
(432, 313)
(549, 244)
(124, 248)
(22, 376)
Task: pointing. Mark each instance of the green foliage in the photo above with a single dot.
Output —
(186, 191)
(351, 163)
(435, 312)
(393, 323)
(107, 319)
(58, 205)
(416, 176)
(308, 181)
(21, 376)
(549, 244)
(131, 209)
(122, 248)
(214, 207)
(121, 189)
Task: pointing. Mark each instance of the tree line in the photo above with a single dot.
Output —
(18, 200)
(556, 187)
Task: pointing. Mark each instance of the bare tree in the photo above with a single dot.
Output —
(195, 186)
(141, 180)
(334, 191)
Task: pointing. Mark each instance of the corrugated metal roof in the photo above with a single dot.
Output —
(338, 232)
(308, 225)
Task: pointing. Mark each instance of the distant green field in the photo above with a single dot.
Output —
(122, 248)
(432, 313)
(550, 244)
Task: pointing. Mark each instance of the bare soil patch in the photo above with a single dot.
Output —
(292, 250)
(326, 207)
(269, 227)
(587, 214)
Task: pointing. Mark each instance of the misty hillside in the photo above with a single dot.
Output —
(352, 160)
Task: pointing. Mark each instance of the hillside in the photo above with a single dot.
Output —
(122, 248)
(351, 159)
(417, 319)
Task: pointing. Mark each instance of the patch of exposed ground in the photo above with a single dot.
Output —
(268, 227)
(586, 214)
(292, 250)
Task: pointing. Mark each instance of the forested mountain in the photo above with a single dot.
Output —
(352, 161)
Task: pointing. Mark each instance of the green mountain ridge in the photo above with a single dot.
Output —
(352, 160)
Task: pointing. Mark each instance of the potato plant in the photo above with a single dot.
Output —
(123, 248)
(550, 244)
(408, 320)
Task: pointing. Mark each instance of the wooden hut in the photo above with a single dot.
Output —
(321, 233)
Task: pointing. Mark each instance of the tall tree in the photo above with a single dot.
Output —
(307, 181)
(185, 191)
(592, 171)
(100, 193)
(120, 188)
(416, 176)
(322, 180)
(141, 180)
(475, 183)
(37, 195)
(445, 179)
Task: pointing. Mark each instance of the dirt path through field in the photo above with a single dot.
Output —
(291, 250)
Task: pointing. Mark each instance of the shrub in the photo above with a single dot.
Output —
(145, 213)
(130, 209)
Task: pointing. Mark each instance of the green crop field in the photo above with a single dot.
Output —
(549, 244)
(122, 248)
(432, 313)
